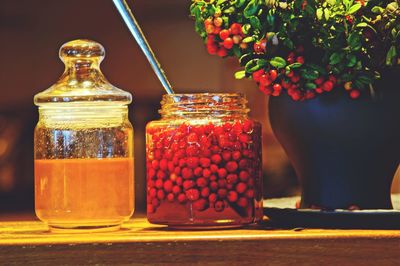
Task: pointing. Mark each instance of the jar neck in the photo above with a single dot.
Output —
(204, 105)
(83, 116)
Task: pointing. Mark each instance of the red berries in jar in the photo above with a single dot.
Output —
(207, 171)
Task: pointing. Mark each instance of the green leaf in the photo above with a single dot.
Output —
(354, 41)
(327, 13)
(288, 43)
(336, 58)
(244, 59)
(309, 74)
(295, 65)
(236, 51)
(240, 3)
(248, 39)
(391, 56)
(362, 25)
(377, 10)
(262, 62)
(353, 9)
(278, 62)
(230, 10)
(351, 60)
(240, 74)
(310, 86)
(363, 79)
(255, 22)
(246, 28)
(252, 66)
(251, 9)
(319, 13)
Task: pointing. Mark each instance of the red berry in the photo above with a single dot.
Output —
(205, 192)
(222, 173)
(241, 187)
(200, 205)
(170, 197)
(188, 184)
(327, 86)
(223, 34)
(260, 47)
(222, 193)
(210, 39)
(219, 206)
(206, 173)
(212, 49)
(168, 186)
(231, 179)
(232, 196)
(153, 192)
(208, 21)
(155, 164)
(155, 202)
(221, 183)
(354, 94)
(213, 186)
(198, 171)
(231, 166)
(257, 75)
(160, 194)
(201, 182)
(295, 78)
(250, 193)
(228, 43)
(222, 52)
(218, 22)
(159, 183)
(319, 90)
(273, 74)
(236, 155)
(264, 80)
(212, 198)
(319, 81)
(182, 198)
(277, 87)
(187, 173)
(192, 162)
(150, 208)
(164, 164)
(216, 158)
(242, 202)
(300, 59)
(205, 162)
(214, 168)
(192, 194)
(226, 155)
(176, 190)
(333, 79)
(244, 176)
(236, 28)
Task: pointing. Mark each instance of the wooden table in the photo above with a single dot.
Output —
(29, 242)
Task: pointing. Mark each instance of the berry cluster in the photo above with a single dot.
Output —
(204, 167)
(221, 41)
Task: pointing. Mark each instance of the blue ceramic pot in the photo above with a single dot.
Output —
(345, 152)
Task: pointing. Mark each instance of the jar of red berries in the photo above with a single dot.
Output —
(204, 162)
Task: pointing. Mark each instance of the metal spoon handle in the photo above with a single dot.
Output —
(137, 33)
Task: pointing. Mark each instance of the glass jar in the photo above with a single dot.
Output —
(204, 162)
(83, 146)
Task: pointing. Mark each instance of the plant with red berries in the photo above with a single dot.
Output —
(303, 47)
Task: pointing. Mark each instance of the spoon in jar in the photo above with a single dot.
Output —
(137, 33)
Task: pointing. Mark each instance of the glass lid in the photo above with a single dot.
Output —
(82, 80)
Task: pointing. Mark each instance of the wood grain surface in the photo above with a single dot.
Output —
(30, 242)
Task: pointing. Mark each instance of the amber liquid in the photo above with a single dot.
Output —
(84, 193)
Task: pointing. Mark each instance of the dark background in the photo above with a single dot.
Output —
(31, 33)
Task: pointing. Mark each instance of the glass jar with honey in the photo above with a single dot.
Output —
(84, 171)
(204, 162)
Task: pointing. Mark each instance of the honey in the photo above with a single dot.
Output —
(79, 193)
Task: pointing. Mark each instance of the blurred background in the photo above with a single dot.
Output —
(31, 33)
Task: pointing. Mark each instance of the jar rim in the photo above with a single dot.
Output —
(219, 104)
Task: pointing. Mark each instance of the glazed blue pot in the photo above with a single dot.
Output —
(345, 152)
